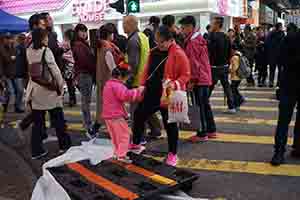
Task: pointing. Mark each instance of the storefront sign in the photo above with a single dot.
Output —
(89, 10)
(222, 7)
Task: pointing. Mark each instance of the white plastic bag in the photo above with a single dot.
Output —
(178, 107)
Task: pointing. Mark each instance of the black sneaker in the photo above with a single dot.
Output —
(295, 154)
(39, 156)
(278, 159)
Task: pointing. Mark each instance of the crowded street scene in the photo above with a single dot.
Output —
(149, 100)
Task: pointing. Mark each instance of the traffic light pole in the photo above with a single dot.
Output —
(126, 8)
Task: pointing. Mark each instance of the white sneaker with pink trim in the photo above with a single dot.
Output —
(137, 149)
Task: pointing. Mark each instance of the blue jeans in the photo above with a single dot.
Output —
(85, 86)
(286, 110)
(206, 115)
(15, 87)
(19, 82)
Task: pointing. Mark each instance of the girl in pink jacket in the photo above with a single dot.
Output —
(115, 94)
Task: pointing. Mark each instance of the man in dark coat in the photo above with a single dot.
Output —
(289, 97)
(272, 49)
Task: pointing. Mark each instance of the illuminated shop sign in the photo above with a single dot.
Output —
(90, 10)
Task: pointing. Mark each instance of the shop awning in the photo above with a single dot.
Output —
(12, 24)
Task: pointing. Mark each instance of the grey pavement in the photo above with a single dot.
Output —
(211, 184)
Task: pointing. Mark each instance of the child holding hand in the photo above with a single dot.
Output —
(115, 95)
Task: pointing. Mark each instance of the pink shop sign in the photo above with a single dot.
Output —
(223, 7)
(89, 10)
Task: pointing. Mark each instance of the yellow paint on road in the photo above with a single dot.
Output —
(237, 138)
(222, 137)
(249, 92)
(250, 167)
(249, 108)
(248, 99)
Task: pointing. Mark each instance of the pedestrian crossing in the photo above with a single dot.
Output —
(267, 119)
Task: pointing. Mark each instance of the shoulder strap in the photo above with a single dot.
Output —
(156, 68)
(44, 56)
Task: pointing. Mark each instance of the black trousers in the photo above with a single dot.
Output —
(262, 73)
(38, 130)
(288, 103)
(221, 74)
(206, 115)
(28, 120)
(72, 92)
(142, 113)
(250, 79)
(273, 68)
(238, 98)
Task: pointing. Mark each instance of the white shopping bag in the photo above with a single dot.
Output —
(178, 107)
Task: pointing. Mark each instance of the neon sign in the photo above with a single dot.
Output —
(89, 10)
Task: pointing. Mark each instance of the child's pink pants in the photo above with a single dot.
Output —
(119, 132)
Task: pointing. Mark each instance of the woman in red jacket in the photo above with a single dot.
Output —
(167, 63)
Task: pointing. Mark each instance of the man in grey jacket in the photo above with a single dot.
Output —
(134, 55)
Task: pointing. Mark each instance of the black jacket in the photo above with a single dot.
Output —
(219, 49)
(273, 45)
(121, 42)
(21, 62)
(290, 60)
(56, 50)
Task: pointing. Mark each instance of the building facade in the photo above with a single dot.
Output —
(93, 13)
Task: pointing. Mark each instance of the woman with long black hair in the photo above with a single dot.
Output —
(44, 93)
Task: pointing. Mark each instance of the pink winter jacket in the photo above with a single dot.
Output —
(197, 52)
(115, 94)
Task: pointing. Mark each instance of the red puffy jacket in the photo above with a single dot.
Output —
(197, 52)
(177, 67)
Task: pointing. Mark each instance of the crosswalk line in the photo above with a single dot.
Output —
(256, 100)
(249, 167)
(224, 120)
(248, 92)
(222, 137)
(215, 107)
(248, 99)
(237, 138)
(249, 108)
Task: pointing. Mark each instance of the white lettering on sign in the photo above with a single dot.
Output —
(89, 10)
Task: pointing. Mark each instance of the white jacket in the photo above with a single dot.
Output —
(41, 98)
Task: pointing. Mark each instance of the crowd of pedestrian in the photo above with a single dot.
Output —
(140, 69)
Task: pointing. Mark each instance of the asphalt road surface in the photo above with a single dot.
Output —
(235, 166)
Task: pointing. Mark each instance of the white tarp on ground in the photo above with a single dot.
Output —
(48, 189)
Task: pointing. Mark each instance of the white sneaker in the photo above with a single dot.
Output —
(137, 149)
(50, 139)
(20, 132)
(231, 111)
(39, 156)
(125, 159)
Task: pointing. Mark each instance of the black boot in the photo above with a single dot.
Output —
(295, 153)
(278, 159)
